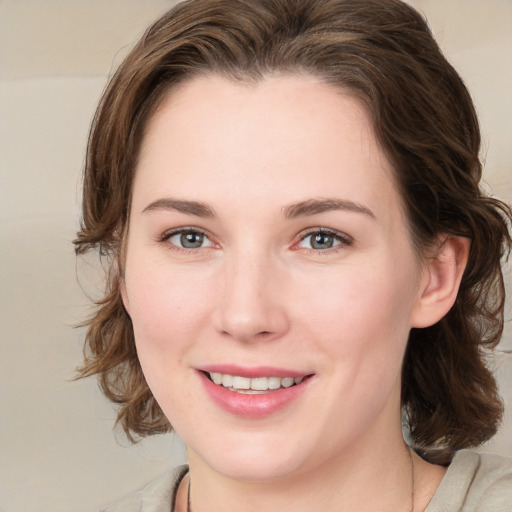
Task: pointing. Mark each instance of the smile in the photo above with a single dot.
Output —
(255, 385)
(256, 392)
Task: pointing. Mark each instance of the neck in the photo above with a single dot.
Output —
(360, 481)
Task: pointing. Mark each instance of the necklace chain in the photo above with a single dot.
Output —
(412, 479)
(188, 496)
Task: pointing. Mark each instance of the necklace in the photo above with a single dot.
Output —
(412, 480)
(412, 485)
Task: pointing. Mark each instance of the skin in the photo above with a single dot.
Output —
(258, 293)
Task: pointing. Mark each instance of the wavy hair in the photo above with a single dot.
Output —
(424, 118)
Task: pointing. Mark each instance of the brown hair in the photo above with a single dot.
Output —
(383, 51)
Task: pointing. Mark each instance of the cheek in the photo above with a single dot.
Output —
(355, 299)
(168, 311)
(152, 311)
(168, 308)
(361, 317)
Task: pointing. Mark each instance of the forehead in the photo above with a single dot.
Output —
(212, 102)
(218, 138)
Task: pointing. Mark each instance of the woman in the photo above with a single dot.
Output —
(301, 258)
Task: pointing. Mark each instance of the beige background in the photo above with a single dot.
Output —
(57, 450)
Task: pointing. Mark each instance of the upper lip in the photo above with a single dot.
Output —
(252, 372)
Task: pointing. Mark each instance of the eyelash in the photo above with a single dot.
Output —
(343, 239)
(183, 231)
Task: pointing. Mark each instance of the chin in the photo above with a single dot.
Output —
(254, 458)
(261, 468)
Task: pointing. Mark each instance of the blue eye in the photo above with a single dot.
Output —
(189, 239)
(323, 240)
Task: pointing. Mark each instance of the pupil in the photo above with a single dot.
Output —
(321, 241)
(191, 240)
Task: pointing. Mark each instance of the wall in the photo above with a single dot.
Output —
(57, 449)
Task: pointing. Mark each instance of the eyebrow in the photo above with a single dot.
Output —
(315, 206)
(292, 211)
(190, 207)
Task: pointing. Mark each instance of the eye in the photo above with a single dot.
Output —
(323, 239)
(188, 239)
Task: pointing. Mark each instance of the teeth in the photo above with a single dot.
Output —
(274, 382)
(287, 382)
(227, 380)
(216, 377)
(247, 385)
(240, 383)
(260, 384)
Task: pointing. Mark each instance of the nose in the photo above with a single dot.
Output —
(251, 305)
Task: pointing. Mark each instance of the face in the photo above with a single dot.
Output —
(268, 250)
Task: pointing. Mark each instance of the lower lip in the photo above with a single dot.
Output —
(253, 406)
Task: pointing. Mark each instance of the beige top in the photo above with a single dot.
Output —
(474, 482)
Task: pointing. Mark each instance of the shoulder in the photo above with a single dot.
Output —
(157, 496)
(475, 482)
(492, 483)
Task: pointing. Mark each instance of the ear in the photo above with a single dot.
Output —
(124, 295)
(441, 279)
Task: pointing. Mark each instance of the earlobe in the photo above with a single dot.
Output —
(124, 295)
(440, 284)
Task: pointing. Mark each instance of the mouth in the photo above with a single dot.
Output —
(252, 386)
(254, 393)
